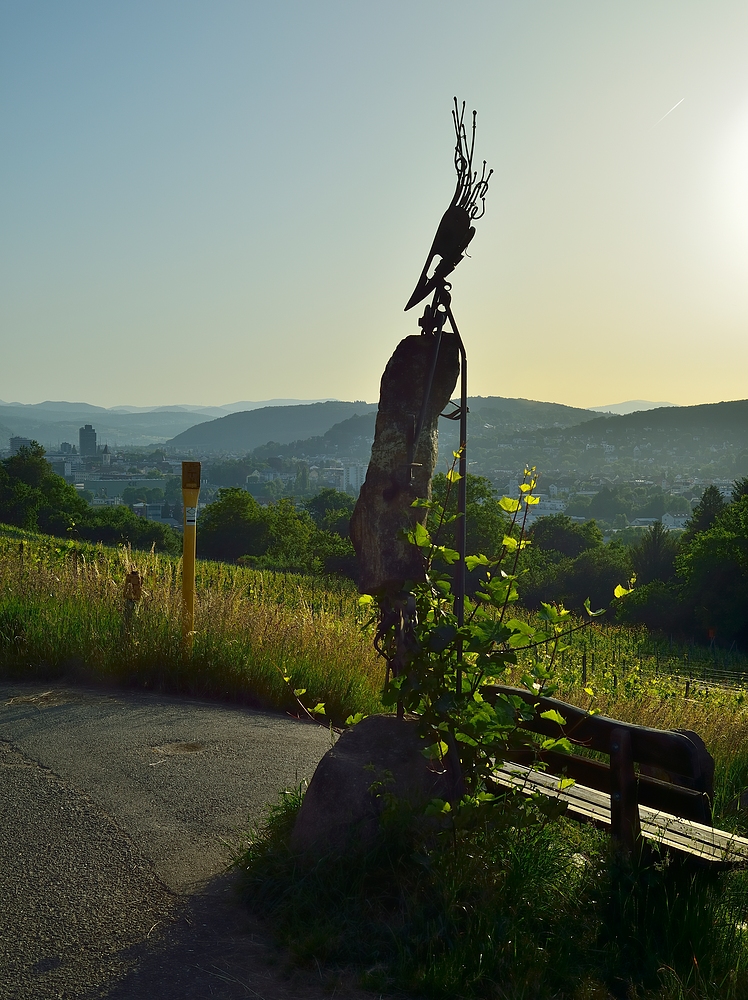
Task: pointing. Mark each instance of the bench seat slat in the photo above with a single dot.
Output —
(662, 795)
(663, 828)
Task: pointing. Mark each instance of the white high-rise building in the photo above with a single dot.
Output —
(353, 478)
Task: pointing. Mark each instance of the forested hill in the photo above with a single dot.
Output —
(510, 414)
(240, 433)
(709, 440)
(711, 418)
(353, 436)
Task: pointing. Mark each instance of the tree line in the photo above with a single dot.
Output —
(34, 497)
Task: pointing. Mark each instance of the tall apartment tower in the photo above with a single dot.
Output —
(87, 441)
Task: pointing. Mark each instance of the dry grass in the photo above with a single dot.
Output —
(63, 610)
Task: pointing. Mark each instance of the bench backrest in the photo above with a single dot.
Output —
(676, 771)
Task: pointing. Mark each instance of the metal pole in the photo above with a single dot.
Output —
(190, 494)
(461, 523)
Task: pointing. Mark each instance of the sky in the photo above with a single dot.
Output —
(203, 202)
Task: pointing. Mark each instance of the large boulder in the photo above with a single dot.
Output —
(343, 804)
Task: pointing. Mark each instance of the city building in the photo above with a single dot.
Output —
(353, 478)
(87, 441)
(675, 521)
(16, 443)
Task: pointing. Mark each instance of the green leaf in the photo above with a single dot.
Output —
(441, 637)
(590, 612)
(509, 543)
(449, 556)
(438, 807)
(298, 692)
(517, 625)
(365, 599)
(561, 744)
(621, 591)
(453, 476)
(353, 720)
(509, 505)
(472, 561)
(319, 708)
(565, 783)
(421, 536)
(437, 751)
(553, 716)
(531, 500)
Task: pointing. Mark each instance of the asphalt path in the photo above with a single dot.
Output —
(118, 815)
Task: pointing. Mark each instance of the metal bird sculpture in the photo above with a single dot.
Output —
(468, 204)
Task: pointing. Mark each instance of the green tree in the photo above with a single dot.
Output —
(114, 525)
(233, 525)
(595, 574)
(331, 510)
(653, 557)
(740, 489)
(142, 494)
(705, 513)
(32, 496)
(713, 575)
(560, 533)
(301, 485)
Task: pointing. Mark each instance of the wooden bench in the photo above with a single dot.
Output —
(667, 799)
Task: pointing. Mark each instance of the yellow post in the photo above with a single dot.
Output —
(190, 493)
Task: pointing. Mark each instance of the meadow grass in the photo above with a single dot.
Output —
(63, 613)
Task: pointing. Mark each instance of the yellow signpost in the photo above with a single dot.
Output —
(190, 493)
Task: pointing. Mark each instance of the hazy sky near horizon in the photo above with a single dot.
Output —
(210, 201)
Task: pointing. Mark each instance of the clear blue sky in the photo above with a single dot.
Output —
(210, 201)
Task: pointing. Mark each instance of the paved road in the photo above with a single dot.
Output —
(117, 816)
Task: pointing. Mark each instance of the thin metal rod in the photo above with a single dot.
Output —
(459, 602)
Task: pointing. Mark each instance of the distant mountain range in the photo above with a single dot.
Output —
(505, 435)
(240, 433)
(709, 441)
(285, 430)
(52, 422)
(630, 406)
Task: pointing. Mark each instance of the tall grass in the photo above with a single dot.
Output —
(63, 612)
(504, 910)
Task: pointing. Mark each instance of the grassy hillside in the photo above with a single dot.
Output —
(63, 613)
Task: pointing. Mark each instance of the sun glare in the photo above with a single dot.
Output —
(732, 179)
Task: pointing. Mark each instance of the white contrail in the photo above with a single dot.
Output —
(667, 113)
